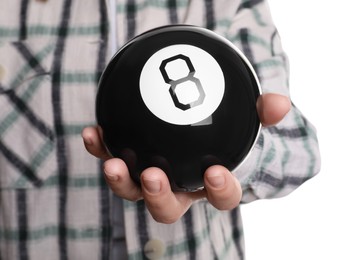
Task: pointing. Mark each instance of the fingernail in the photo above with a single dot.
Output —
(87, 141)
(216, 180)
(152, 186)
(111, 176)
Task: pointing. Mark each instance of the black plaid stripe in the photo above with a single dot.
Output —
(190, 236)
(210, 14)
(274, 35)
(268, 178)
(142, 226)
(249, 4)
(21, 166)
(104, 192)
(29, 57)
(22, 224)
(292, 133)
(131, 18)
(62, 160)
(23, 19)
(173, 14)
(105, 219)
(236, 232)
(103, 27)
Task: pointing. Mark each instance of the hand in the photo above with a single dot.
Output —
(222, 189)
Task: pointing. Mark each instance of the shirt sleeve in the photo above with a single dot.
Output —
(285, 155)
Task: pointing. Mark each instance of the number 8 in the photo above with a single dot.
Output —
(175, 82)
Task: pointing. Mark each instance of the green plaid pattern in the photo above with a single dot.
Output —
(54, 203)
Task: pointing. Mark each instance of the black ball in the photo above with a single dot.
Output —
(180, 98)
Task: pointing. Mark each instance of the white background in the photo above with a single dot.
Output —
(312, 222)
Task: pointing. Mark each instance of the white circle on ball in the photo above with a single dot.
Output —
(182, 84)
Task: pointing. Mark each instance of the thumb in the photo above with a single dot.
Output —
(272, 108)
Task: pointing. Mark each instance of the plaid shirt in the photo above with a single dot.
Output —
(54, 203)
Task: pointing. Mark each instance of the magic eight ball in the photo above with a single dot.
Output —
(180, 98)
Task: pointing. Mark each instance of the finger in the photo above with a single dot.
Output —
(118, 178)
(272, 108)
(223, 189)
(92, 139)
(164, 206)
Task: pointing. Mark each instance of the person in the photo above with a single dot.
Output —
(55, 201)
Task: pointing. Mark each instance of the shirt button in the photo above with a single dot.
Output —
(154, 249)
(2, 73)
